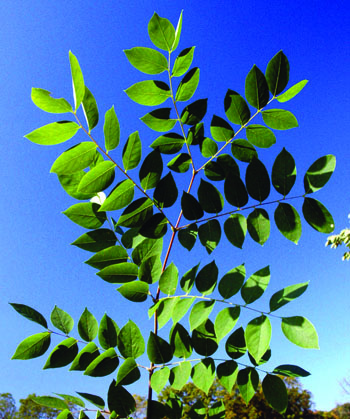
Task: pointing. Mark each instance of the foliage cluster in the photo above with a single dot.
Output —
(224, 178)
(338, 239)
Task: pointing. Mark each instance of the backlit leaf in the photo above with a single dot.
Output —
(49, 401)
(132, 152)
(86, 214)
(180, 374)
(232, 282)
(120, 197)
(317, 216)
(164, 310)
(225, 321)
(203, 374)
(33, 346)
(279, 119)
(319, 173)
(87, 326)
(149, 92)
(180, 341)
(247, 381)
(256, 89)
(277, 73)
(119, 273)
(159, 120)
(135, 291)
(188, 85)
(200, 313)
(258, 336)
(177, 33)
(74, 159)
(288, 221)
(54, 133)
(111, 130)
(181, 163)
(146, 249)
(30, 314)
(183, 62)
(147, 60)
(260, 136)
(130, 341)
(288, 370)
(187, 281)
(98, 178)
(181, 308)
(283, 172)
(287, 294)
(155, 227)
(71, 182)
(220, 129)
(235, 228)
(62, 320)
(300, 331)
(159, 379)
(161, 32)
(292, 91)
(169, 279)
(258, 224)
(108, 332)
(150, 269)
(227, 374)
(236, 108)
(208, 147)
(90, 109)
(256, 285)
(77, 80)
(44, 101)
(92, 398)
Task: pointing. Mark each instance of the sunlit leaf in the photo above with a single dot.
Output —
(130, 341)
(183, 62)
(260, 136)
(236, 108)
(96, 240)
(279, 119)
(104, 364)
(203, 374)
(87, 326)
(188, 85)
(227, 374)
(200, 312)
(258, 224)
(98, 178)
(44, 101)
(287, 294)
(149, 92)
(128, 372)
(220, 129)
(54, 133)
(86, 214)
(225, 321)
(33, 346)
(77, 79)
(119, 273)
(258, 336)
(247, 381)
(180, 374)
(135, 291)
(159, 379)
(169, 279)
(300, 331)
(147, 60)
(292, 91)
(193, 113)
(62, 320)
(170, 143)
(181, 163)
(74, 159)
(111, 130)
(161, 32)
(159, 120)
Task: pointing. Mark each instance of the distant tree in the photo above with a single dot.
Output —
(28, 409)
(7, 406)
(338, 239)
(342, 411)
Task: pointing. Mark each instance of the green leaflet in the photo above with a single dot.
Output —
(92, 398)
(96, 240)
(236, 108)
(128, 372)
(54, 133)
(221, 130)
(159, 379)
(207, 278)
(277, 73)
(187, 236)
(33, 346)
(136, 213)
(188, 85)
(317, 216)
(177, 33)
(90, 109)
(260, 136)
(210, 198)
(130, 341)
(187, 281)
(119, 273)
(210, 235)
(169, 279)
(180, 374)
(146, 249)
(243, 150)
(135, 291)
(225, 321)
(170, 143)
(30, 314)
(258, 224)
(147, 60)
(191, 208)
(235, 228)
(151, 170)
(287, 294)
(235, 191)
(77, 79)
(256, 88)
(111, 130)
(290, 371)
(65, 414)
(165, 194)
(288, 222)
(292, 91)
(155, 227)
(150, 269)
(62, 320)
(49, 401)
(72, 399)
(149, 92)
(256, 285)
(227, 373)
(279, 119)
(62, 354)
(300, 331)
(132, 152)
(235, 344)
(108, 332)
(180, 341)
(284, 172)
(204, 339)
(180, 163)
(200, 312)
(86, 214)
(193, 113)
(98, 178)
(183, 62)
(131, 238)
(208, 147)
(164, 310)
(85, 357)
(87, 326)
(217, 410)
(158, 350)
(76, 158)
(120, 197)
(159, 120)
(247, 381)
(232, 282)
(44, 101)
(275, 392)
(203, 374)
(104, 364)
(161, 32)
(71, 182)
(319, 173)
(258, 336)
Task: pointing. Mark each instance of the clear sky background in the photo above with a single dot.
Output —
(40, 269)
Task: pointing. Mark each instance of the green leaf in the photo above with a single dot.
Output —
(49, 401)
(150, 269)
(74, 159)
(220, 129)
(279, 119)
(256, 88)
(119, 273)
(180, 163)
(227, 373)
(210, 235)
(207, 278)
(187, 236)
(180, 341)
(87, 326)
(120, 197)
(277, 73)
(235, 228)
(120, 401)
(258, 224)
(288, 370)
(65, 414)
(90, 109)
(266, 357)
(44, 101)
(108, 332)
(317, 216)
(292, 91)
(85, 357)
(243, 150)
(256, 285)
(62, 354)
(111, 130)
(135, 291)
(54, 133)
(137, 213)
(92, 398)
(30, 313)
(159, 379)
(149, 92)
(146, 249)
(165, 194)
(180, 308)
(72, 399)
(284, 172)
(164, 310)
(235, 345)
(300, 331)
(288, 222)
(275, 392)
(177, 33)
(232, 282)
(225, 321)
(147, 60)
(183, 62)
(235, 191)
(193, 113)
(99, 178)
(70, 184)
(191, 208)
(151, 170)
(131, 237)
(319, 173)
(200, 313)
(130, 341)
(169, 279)
(210, 198)
(214, 171)
(161, 32)
(287, 294)
(208, 147)
(170, 143)
(204, 339)
(86, 214)
(103, 365)
(188, 85)
(180, 374)
(132, 152)
(96, 240)
(159, 120)
(187, 281)
(260, 136)
(203, 374)
(247, 381)
(33, 346)
(77, 79)
(158, 350)
(128, 372)
(62, 320)
(236, 108)
(156, 227)
(258, 336)
(217, 410)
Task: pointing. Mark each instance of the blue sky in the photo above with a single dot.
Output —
(39, 268)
